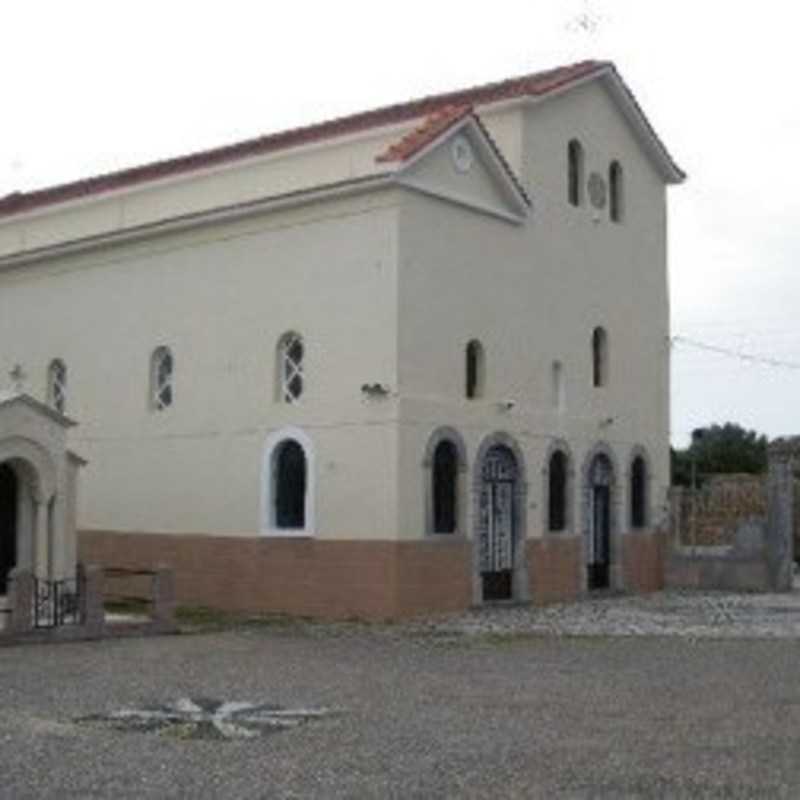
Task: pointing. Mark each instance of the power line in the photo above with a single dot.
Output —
(731, 353)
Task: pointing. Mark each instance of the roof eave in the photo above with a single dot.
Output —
(222, 214)
(666, 166)
(629, 105)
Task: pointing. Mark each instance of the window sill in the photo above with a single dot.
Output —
(288, 533)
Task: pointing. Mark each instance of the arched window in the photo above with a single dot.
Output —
(290, 485)
(615, 191)
(638, 493)
(290, 366)
(445, 485)
(557, 378)
(557, 492)
(162, 374)
(574, 172)
(57, 385)
(475, 369)
(599, 357)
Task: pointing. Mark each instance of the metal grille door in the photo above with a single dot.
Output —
(497, 524)
(598, 543)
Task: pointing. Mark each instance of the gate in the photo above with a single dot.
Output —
(497, 532)
(57, 603)
(598, 550)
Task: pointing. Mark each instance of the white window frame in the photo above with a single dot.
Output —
(159, 386)
(57, 385)
(289, 369)
(268, 462)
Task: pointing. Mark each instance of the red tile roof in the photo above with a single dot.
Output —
(539, 83)
(431, 129)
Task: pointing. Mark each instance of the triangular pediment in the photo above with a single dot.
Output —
(17, 406)
(455, 159)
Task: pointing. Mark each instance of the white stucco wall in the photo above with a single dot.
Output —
(385, 287)
(220, 298)
(532, 295)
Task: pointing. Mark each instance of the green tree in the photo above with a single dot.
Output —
(727, 448)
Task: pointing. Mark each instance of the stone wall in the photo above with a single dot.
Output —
(643, 560)
(739, 532)
(711, 515)
(554, 568)
(299, 576)
(333, 579)
(37, 613)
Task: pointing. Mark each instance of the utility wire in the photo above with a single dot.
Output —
(731, 353)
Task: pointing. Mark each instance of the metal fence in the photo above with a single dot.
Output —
(57, 603)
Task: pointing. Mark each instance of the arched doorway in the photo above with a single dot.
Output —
(598, 544)
(8, 523)
(498, 525)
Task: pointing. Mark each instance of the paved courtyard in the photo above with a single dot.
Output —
(505, 703)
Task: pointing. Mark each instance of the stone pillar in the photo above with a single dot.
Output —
(41, 536)
(21, 597)
(25, 526)
(93, 615)
(163, 597)
(779, 535)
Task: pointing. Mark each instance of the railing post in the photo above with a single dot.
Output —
(21, 591)
(780, 509)
(163, 595)
(93, 615)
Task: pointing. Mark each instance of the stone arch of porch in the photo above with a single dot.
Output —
(33, 465)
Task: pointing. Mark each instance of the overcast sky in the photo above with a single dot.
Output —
(93, 86)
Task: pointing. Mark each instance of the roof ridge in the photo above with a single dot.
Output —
(535, 83)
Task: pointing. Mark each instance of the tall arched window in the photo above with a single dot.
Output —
(290, 366)
(162, 375)
(445, 486)
(574, 172)
(290, 485)
(557, 492)
(615, 191)
(638, 493)
(57, 385)
(475, 369)
(599, 357)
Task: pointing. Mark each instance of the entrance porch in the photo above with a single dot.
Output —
(38, 484)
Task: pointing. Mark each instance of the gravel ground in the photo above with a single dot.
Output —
(427, 712)
(689, 615)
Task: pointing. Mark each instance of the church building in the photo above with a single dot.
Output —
(405, 361)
